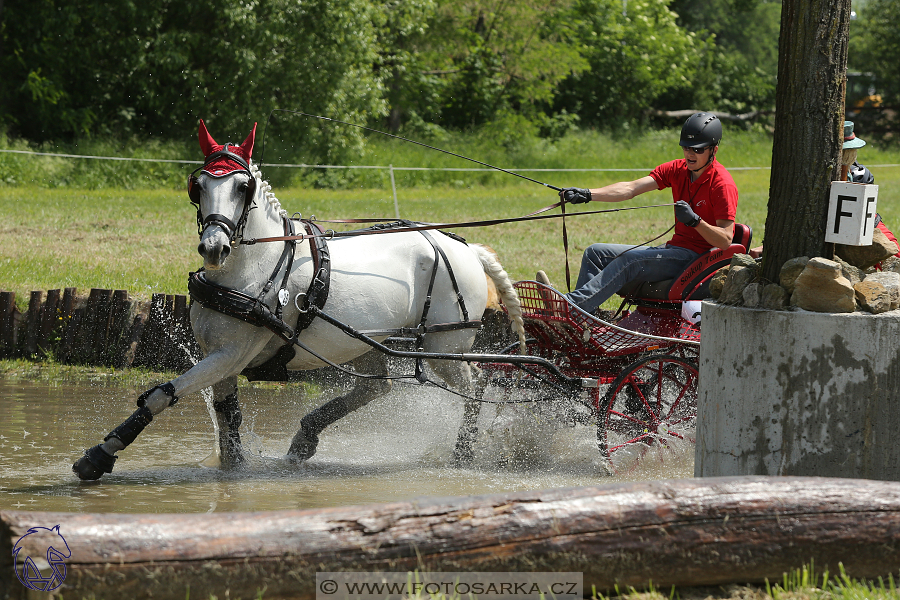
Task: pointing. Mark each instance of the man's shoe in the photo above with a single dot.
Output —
(546, 295)
(541, 277)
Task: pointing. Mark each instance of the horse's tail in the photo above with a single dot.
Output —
(508, 295)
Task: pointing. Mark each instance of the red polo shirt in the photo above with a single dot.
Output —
(713, 196)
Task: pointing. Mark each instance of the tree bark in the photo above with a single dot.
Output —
(684, 533)
(809, 118)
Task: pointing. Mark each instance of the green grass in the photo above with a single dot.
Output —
(144, 239)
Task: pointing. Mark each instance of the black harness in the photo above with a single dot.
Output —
(255, 310)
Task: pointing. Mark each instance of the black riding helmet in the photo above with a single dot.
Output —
(701, 130)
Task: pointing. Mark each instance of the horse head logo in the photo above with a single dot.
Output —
(28, 568)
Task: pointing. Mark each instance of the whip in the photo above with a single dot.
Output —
(297, 112)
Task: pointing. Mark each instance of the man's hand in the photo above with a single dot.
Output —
(685, 214)
(575, 195)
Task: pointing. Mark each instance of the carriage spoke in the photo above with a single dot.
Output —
(650, 407)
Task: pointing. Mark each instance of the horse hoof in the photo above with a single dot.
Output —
(304, 444)
(93, 464)
(233, 459)
(231, 454)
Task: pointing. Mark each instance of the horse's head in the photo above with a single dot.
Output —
(223, 193)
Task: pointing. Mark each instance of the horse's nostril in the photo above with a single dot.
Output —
(226, 250)
(200, 249)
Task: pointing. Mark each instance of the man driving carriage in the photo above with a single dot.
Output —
(705, 198)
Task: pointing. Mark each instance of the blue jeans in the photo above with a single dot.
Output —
(604, 272)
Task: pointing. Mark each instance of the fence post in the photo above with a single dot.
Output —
(8, 324)
(394, 189)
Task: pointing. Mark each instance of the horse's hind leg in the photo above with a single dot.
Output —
(458, 375)
(228, 418)
(464, 452)
(303, 446)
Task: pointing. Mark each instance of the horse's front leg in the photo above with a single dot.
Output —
(228, 419)
(305, 441)
(223, 363)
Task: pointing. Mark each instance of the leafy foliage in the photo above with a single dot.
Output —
(637, 52)
(875, 45)
(123, 69)
(157, 68)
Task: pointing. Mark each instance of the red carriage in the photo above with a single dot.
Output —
(645, 363)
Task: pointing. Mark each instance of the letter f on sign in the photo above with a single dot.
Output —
(869, 214)
(838, 214)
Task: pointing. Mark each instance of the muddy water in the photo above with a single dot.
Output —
(397, 448)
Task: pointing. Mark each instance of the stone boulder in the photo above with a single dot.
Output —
(744, 260)
(872, 296)
(733, 290)
(717, 282)
(790, 271)
(751, 295)
(891, 264)
(821, 287)
(891, 282)
(853, 274)
(773, 297)
(867, 256)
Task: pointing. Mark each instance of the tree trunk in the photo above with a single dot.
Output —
(809, 117)
(683, 533)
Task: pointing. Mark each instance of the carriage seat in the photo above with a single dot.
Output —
(693, 283)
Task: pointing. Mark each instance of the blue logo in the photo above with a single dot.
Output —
(57, 550)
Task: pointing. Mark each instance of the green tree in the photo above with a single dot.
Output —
(475, 60)
(637, 53)
(875, 45)
(737, 72)
(83, 67)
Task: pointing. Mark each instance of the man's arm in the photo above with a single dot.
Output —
(718, 235)
(624, 190)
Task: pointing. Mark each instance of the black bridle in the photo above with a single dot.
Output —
(231, 229)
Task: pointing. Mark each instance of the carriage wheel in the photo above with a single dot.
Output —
(650, 411)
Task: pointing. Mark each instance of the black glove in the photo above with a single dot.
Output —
(575, 195)
(685, 214)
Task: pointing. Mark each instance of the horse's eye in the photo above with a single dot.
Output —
(243, 187)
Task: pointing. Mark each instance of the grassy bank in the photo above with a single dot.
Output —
(144, 239)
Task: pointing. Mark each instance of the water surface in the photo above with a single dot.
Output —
(397, 448)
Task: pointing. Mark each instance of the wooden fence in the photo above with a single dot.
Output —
(104, 327)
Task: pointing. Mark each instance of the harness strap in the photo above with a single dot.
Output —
(414, 331)
(459, 296)
(288, 253)
(221, 220)
(317, 293)
(420, 337)
(283, 294)
(236, 304)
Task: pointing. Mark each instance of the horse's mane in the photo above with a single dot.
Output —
(266, 189)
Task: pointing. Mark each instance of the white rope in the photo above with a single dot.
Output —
(306, 166)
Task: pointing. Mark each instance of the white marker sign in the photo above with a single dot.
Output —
(851, 213)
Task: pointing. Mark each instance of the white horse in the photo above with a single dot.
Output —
(248, 298)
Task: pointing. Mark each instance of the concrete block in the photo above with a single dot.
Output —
(798, 393)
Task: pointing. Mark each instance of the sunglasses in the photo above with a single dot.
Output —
(697, 150)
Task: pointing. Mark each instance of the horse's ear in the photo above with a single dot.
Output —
(247, 146)
(207, 143)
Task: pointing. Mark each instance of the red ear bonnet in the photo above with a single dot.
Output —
(223, 165)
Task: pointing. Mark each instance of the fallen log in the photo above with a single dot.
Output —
(682, 533)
